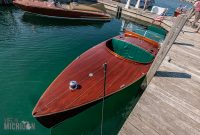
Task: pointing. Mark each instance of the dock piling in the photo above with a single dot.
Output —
(119, 12)
(167, 44)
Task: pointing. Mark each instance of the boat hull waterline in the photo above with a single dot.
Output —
(128, 57)
(54, 119)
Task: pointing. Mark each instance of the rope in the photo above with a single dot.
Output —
(104, 93)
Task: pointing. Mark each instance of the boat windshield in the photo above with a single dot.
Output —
(130, 51)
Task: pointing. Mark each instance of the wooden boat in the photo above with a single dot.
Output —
(128, 57)
(67, 11)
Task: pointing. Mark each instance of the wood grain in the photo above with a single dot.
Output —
(120, 73)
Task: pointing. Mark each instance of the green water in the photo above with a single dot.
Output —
(33, 51)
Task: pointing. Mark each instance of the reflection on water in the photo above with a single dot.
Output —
(45, 21)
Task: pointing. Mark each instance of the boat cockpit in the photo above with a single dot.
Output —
(129, 51)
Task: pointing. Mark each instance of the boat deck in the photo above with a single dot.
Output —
(58, 93)
(171, 102)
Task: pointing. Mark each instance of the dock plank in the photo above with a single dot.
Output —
(142, 126)
(171, 102)
(130, 130)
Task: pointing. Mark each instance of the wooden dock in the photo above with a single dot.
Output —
(171, 102)
(170, 105)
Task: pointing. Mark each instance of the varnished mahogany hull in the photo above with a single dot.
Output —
(59, 102)
(55, 12)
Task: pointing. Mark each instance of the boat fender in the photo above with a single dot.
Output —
(73, 85)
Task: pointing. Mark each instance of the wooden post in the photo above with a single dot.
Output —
(137, 4)
(145, 5)
(165, 47)
(127, 4)
(119, 12)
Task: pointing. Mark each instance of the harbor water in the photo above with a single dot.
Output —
(33, 51)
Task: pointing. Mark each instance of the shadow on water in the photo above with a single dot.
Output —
(172, 74)
(46, 21)
(117, 109)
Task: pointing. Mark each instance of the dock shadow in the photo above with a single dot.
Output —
(189, 32)
(172, 74)
(47, 21)
(183, 44)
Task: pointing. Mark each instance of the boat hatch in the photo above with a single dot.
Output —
(129, 51)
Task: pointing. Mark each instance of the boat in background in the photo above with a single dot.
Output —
(72, 10)
(81, 84)
(180, 10)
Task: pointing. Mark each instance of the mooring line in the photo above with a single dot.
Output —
(104, 93)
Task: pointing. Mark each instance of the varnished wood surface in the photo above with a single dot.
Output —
(49, 9)
(120, 73)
